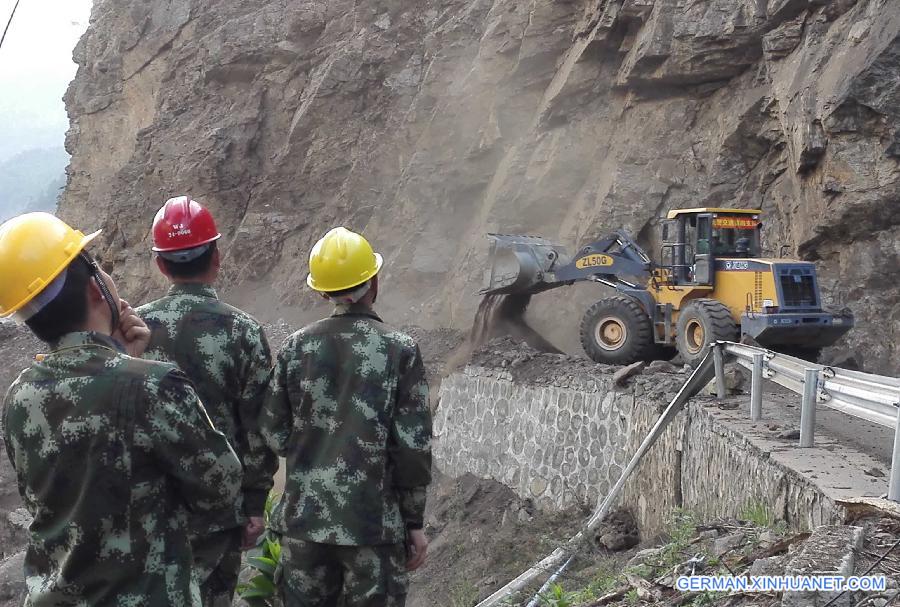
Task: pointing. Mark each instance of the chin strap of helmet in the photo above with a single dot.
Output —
(104, 290)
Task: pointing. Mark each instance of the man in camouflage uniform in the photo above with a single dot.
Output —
(113, 454)
(347, 405)
(225, 353)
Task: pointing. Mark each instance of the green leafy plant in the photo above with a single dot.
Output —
(260, 591)
(681, 530)
(643, 570)
(761, 516)
(604, 581)
(631, 597)
(557, 597)
(758, 514)
(463, 594)
(705, 599)
(682, 527)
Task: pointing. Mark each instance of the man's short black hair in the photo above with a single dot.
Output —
(343, 292)
(67, 312)
(190, 269)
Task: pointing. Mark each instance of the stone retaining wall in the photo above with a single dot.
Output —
(560, 445)
(556, 445)
(728, 464)
(563, 445)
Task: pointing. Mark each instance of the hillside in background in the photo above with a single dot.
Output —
(32, 181)
(427, 124)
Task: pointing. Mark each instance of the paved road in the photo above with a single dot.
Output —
(866, 437)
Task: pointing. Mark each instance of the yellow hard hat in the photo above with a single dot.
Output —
(341, 260)
(35, 248)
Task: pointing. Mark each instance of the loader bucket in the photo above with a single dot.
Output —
(522, 265)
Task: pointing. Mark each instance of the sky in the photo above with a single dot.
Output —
(35, 70)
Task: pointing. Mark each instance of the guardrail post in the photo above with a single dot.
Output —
(894, 486)
(808, 407)
(756, 388)
(719, 360)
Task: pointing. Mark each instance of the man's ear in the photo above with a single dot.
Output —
(93, 291)
(162, 266)
(216, 261)
(374, 288)
(323, 296)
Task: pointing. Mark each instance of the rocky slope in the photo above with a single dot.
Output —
(427, 124)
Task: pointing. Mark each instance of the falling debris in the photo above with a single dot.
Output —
(504, 315)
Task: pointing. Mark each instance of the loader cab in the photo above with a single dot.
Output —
(694, 238)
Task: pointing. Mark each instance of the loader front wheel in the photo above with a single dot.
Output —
(700, 323)
(616, 331)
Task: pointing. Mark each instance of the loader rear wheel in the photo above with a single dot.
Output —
(616, 331)
(701, 322)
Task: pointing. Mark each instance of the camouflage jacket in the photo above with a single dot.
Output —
(347, 405)
(113, 454)
(225, 353)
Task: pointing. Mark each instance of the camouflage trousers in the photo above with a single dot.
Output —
(324, 575)
(217, 561)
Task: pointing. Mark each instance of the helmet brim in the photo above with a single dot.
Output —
(199, 244)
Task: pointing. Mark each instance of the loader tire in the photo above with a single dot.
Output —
(616, 331)
(701, 322)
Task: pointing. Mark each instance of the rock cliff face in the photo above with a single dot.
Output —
(428, 123)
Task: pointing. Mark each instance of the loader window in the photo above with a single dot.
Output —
(703, 235)
(735, 237)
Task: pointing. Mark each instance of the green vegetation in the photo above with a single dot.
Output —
(706, 598)
(683, 551)
(463, 594)
(603, 582)
(557, 597)
(260, 591)
(681, 531)
(760, 515)
(652, 578)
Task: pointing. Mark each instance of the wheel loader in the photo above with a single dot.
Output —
(710, 283)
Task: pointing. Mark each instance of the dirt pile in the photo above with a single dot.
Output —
(534, 367)
(504, 315)
(528, 365)
(482, 535)
(277, 332)
(443, 352)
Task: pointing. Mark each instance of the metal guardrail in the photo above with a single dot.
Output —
(875, 398)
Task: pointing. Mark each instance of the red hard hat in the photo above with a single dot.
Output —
(183, 223)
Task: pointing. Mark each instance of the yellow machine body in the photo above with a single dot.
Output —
(709, 282)
(742, 292)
